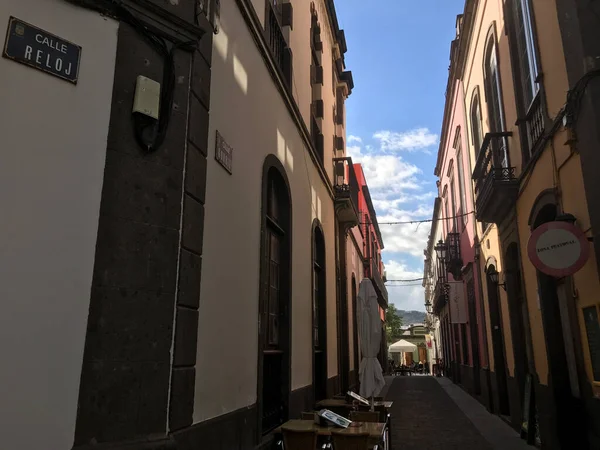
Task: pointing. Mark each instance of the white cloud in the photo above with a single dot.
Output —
(395, 185)
(417, 139)
(404, 296)
(352, 138)
(398, 270)
(408, 298)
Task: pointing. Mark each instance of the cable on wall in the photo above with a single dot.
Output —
(149, 133)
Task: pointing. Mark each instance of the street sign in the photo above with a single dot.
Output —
(558, 248)
(41, 50)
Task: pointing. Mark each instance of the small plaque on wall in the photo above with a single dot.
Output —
(224, 153)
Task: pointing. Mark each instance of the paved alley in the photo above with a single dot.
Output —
(433, 413)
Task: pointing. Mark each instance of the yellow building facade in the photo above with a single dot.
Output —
(528, 159)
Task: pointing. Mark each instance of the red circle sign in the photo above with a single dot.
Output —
(558, 249)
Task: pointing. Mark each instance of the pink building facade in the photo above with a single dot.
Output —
(460, 307)
(372, 245)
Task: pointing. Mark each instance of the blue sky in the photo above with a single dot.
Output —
(399, 57)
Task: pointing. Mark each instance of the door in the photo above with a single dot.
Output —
(501, 399)
(474, 330)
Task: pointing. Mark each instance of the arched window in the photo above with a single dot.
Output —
(274, 305)
(319, 313)
(476, 124)
(493, 96)
(532, 116)
(527, 59)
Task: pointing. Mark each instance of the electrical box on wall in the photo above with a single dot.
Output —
(147, 97)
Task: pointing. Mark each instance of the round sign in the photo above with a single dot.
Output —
(558, 249)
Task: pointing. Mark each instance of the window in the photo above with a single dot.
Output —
(446, 214)
(526, 51)
(274, 237)
(274, 22)
(274, 305)
(461, 184)
(525, 65)
(319, 314)
(476, 124)
(453, 200)
(494, 101)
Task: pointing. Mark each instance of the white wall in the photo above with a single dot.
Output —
(52, 153)
(249, 112)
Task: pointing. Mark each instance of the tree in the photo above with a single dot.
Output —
(393, 322)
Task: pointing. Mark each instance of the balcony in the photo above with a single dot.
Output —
(346, 192)
(375, 275)
(496, 187)
(439, 296)
(454, 260)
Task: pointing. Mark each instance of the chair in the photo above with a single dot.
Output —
(299, 439)
(364, 416)
(308, 415)
(343, 441)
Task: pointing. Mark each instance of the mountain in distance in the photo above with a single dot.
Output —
(410, 317)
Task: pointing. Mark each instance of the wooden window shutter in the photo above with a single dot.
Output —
(287, 15)
(287, 65)
(339, 114)
(318, 109)
(316, 76)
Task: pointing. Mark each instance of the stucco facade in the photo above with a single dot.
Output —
(53, 154)
(508, 60)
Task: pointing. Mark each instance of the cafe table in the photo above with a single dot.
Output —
(331, 403)
(376, 430)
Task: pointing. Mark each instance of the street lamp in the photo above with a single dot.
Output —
(495, 278)
(441, 250)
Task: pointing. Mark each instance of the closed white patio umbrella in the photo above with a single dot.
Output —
(369, 325)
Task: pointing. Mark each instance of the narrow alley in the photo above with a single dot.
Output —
(433, 413)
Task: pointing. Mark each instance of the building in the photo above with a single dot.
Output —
(523, 89)
(467, 362)
(371, 251)
(433, 284)
(184, 262)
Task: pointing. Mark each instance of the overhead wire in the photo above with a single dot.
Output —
(411, 222)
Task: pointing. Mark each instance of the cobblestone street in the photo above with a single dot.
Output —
(432, 413)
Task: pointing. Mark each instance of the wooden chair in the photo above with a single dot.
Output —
(299, 439)
(308, 415)
(364, 416)
(342, 441)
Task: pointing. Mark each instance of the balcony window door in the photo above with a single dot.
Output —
(274, 312)
(525, 65)
(476, 124)
(454, 221)
(319, 315)
(462, 188)
(526, 51)
(493, 95)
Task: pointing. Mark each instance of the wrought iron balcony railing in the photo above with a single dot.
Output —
(453, 257)
(377, 279)
(534, 123)
(439, 296)
(346, 191)
(496, 186)
(278, 44)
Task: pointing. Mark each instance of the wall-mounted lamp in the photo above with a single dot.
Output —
(495, 278)
(441, 249)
